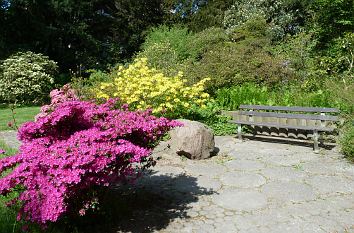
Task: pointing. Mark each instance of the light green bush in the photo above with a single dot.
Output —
(26, 77)
(174, 49)
(292, 95)
(84, 86)
(163, 57)
(347, 140)
(229, 64)
(177, 38)
(205, 40)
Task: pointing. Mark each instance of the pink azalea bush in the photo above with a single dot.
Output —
(73, 149)
(58, 96)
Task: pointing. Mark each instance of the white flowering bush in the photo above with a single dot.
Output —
(281, 18)
(26, 77)
(241, 12)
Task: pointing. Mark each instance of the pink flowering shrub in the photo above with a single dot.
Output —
(74, 149)
(58, 96)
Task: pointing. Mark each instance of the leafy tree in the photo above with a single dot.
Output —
(332, 19)
(93, 33)
(197, 15)
(282, 16)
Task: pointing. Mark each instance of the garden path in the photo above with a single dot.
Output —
(9, 137)
(250, 186)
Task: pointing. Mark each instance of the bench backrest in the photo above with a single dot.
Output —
(283, 115)
(290, 109)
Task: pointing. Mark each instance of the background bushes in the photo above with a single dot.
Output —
(26, 77)
(243, 56)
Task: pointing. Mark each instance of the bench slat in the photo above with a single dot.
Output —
(283, 115)
(327, 129)
(294, 109)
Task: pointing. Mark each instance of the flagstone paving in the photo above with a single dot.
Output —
(9, 137)
(250, 186)
(256, 186)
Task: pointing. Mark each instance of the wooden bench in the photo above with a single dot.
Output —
(280, 117)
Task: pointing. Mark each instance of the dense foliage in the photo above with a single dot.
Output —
(283, 17)
(26, 78)
(67, 154)
(77, 34)
(231, 98)
(233, 59)
(197, 15)
(347, 141)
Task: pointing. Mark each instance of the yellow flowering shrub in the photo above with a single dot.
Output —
(143, 87)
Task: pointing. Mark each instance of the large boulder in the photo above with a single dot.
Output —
(193, 140)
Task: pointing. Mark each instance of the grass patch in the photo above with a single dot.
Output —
(22, 115)
(9, 150)
(8, 215)
(8, 221)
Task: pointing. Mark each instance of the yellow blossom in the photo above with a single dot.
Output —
(143, 87)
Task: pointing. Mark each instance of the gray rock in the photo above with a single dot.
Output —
(193, 140)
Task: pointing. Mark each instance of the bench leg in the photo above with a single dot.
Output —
(315, 141)
(239, 132)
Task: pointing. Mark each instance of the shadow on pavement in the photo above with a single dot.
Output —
(149, 205)
(289, 141)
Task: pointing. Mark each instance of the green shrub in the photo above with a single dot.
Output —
(26, 77)
(177, 38)
(232, 97)
(173, 49)
(162, 57)
(347, 140)
(340, 55)
(211, 116)
(226, 59)
(202, 41)
(293, 95)
(246, 58)
(229, 64)
(342, 94)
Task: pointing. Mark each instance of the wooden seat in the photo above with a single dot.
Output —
(300, 118)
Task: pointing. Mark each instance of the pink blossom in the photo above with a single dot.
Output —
(57, 96)
(74, 148)
(82, 212)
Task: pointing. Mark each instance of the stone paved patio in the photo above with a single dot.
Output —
(251, 186)
(256, 186)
